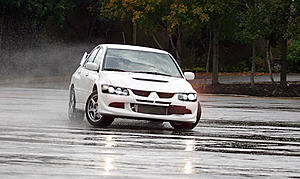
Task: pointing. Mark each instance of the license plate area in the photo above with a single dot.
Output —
(150, 109)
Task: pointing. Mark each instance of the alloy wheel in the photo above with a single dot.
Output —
(92, 109)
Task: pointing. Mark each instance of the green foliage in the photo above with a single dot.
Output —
(37, 11)
(260, 64)
(294, 56)
(246, 21)
(152, 14)
(195, 69)
(242, 66)
(253, 24)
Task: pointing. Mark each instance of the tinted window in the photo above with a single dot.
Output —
(140, 62)
(99, 56)
(92, 55)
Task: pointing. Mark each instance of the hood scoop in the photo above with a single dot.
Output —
(153, 80)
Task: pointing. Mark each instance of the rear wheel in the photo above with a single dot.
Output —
(73, 113)
(188, 125)
(93, 115)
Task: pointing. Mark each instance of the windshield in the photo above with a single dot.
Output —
(140, 62)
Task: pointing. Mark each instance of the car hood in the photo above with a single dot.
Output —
(146, 82)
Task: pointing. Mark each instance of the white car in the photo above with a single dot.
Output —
(123, 81)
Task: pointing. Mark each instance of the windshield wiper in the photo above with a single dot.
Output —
(152, 72)
(113, 69)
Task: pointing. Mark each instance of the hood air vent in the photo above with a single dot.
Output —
(153, 80)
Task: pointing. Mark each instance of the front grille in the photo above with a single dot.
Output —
(165, 95)
(141, 93)
(147, 93)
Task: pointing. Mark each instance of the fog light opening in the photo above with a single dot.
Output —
(117, 105)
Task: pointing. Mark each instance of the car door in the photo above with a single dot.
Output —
(83, 86)
(92, 75)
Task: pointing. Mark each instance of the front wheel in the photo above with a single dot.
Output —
(93, 116)
(188, 125)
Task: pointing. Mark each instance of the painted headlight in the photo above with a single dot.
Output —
(187, 96)
(115, 90)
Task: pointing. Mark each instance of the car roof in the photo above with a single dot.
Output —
(132, 47)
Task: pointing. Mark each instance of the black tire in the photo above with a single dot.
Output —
(73, 113)
(187, 125)
(92, 114)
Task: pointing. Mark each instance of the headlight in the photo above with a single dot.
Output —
(115, 90)
(187, 96)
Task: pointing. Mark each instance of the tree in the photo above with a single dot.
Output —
(252, 27)
(35, 13)
(223, 23)
(289, 11)
(169, 16)
(283, 22)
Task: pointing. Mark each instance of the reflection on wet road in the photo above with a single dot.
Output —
(237, 137)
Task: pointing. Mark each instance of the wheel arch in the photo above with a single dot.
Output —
(71, 87)
(95, 88)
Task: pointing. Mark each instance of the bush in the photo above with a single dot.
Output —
(195, 69)
(242, 66)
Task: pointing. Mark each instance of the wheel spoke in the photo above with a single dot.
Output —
(93, 111)
(92, 116)
(93, 108)
(93, 102)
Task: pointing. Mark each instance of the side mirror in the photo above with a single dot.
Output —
(189, 75)
(83, 59)
(91, 66)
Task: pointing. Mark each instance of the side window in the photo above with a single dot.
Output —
(92, 55)
(99, 56)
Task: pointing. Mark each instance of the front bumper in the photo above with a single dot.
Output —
(128, 110)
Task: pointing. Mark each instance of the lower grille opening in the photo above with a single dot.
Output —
(159, 110)
(149, 109)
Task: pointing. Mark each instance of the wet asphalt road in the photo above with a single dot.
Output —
(238, 137)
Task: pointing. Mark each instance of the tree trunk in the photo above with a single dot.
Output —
(253, 66)
(283, 60)
(156, 41)
(124, 37)
(286, 16)
(215, 58)
(179, 42)
(90, 30)
(134, 34)
(208, 57)
(175, 48)
(269, 62)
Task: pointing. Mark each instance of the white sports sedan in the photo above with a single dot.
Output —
(122, 81)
